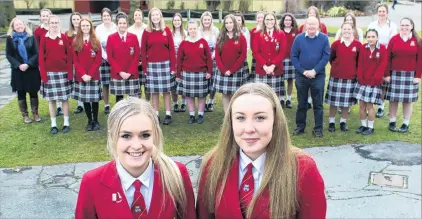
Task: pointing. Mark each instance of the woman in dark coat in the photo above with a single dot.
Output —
(22, 53)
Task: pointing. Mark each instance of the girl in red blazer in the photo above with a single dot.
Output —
(194, 68)
(55, 63)
(269, 50)
(341, 85)
(141, 182)
(254, 171)
(288, 25)
(41, 30)
(371, 67)
(403, 73)
(314, 12)
(230, 54)
(159, 61)
(259, 22)
(87, 60)
(123, 55)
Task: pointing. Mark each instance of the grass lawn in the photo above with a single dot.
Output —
(22, 145)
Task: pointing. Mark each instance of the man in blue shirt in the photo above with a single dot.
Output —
(310, 54)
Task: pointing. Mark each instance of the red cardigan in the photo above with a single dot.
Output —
(290, 37)
(404, 56)
(194, 57)
(38, 33)
(310, 194)
(98, 186)
(344, 59)
(269, 51)
(87, 61)
(232, 56)
(371, 66)
(55, 56)
(158, 46)
(123, 56)
(323, 28)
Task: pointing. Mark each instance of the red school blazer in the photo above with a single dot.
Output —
(269, 51)
(310, 193)
(98, 186)
(123, 56)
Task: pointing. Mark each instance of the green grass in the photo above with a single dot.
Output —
(22, 145)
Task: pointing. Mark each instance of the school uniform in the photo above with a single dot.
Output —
(108, 192)
(194, 62)
(56, 71)
(289, 69)
(87, 61)
(177, 38)
(310, 191)
(270, 49)
(139, 33)
(212, 43)
(231, 57)
(403, 65)
(103, 33)
(370, 73)
(342, 82)
(39, 32)
(385, 32)
(159, 60)
(322, 28)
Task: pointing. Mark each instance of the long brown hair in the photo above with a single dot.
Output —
(79, 39)
(150, 26)
(223, 37)
(294, 22)
(317, 15)
(414, 33)
(71, 30)
(182, 30)
(264, 27)
(355, 29)
(280, 172)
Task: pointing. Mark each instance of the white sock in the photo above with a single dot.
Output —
(59, 104)
(200, 113)
(156, 112)
(184, 101)
(168, 113)
(381, 106)
(281, 98)
(191, 113)
(371, 124)
(289, 97)
(309, 99)
(80, 103)
(342, 120)
(208, 101)
(393, 119)
(174, 103)
(363, 123)
(107, 105)
(212, 101)
(66, 121)
(53, 122)
(406, 121)
(332, 119)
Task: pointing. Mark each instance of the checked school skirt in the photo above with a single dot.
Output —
(340, 92)
(159, 79)
(105, 72)
(368, 94)
(275, 82)
(57, 87)
(401, 88)
(193, 84)
(289, 69)
(142, 77)
(87, 92)
(229, 84)
(121, 87)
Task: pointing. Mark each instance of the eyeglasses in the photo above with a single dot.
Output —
(269, 19)
(54, 23)
(405, 25)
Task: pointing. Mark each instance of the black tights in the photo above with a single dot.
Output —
(22, 95)
(91, 112)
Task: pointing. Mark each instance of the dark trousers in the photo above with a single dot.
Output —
(22, 95)
(316, 86)
(394, 4)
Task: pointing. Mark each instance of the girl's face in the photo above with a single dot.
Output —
(349, 20)
(206, 21)
(76, 19)
(18, 26)
(382, 13)
(44, 17)
(371, 38)
(192, 30)
(54, 24)
(137, 17)
(347, 31)
(85, 27)
(259, 18)
(405, 27)
(106, 18)
(155, 17)
(269, 21)
(229, 24)
(288, 21)
(312, 13)
(122, 25)
(177, 22)
(239, 21)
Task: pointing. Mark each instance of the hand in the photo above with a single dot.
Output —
(172, 72)
(267, 69)
(228, 73)
(311, 74)
(208, 76)
(86, 78)
(387, 79)
(213, 55)
(416, 80)
(23, 67)
(177, 79)
(271, 69)
(124, 75)
(139, 63)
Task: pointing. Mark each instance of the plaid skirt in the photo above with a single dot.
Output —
(246, 71)
(251, 76)
(193, 84)
(401, 88)
(105, 72)
(340, 92)
(159, 79)
(368, 94)
(121, 87)
(57, 87)
(212, 78)
(229, 84)
(289, 69)
(275, 82)
(87, 91)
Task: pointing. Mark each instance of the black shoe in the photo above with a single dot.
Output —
(176, 108)
(343, 127)
(210, 107)
(107, 110)
(299, 132)
(201, 119)
(95, 126)
(191, 120)
(392, 127)
(65, 129)
(332, 127)
(404, 128)
(317, 134)
(368, 131)
(59, 111)
(360, 129)
(78, 110)
(159, 120)
(380, 113)
(167, 120)
(183, 108)
(54, 130)
(89, 126)
(309, 106)
(289, 104)
(206, 108)
(282, 104)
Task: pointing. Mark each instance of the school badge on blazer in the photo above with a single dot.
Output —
(116, 197)
(246, 188)
(201, 46)
(132, 50)
(377, 55)
(61, 42)
(93, 53)
(412, 43)
(354, 49)
(277, 45)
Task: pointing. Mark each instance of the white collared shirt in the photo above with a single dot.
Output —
(102, 33)
(307, 35)
(124, 36)
(59, 35)
(138, 32)
(85, 38)
(406, 38)
(147, 180)
(386, 32)
(257, 170)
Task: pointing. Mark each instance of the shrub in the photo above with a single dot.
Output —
(170, 5)
(337, 11)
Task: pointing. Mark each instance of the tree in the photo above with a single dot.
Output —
(28, 3)
(212, 4)
(133, 5)
(227, 4)
(7, 12)
(244, 5)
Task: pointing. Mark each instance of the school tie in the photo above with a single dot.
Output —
(123, 39)
(86, 41)
(138, 204)
(246, 190)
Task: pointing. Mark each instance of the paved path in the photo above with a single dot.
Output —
(51, 191)
(6, 94)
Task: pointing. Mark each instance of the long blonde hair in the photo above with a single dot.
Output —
(212, 31)
(10, 30)
(171, 177)
(280, 176)
(150, 26)
(264, 27)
